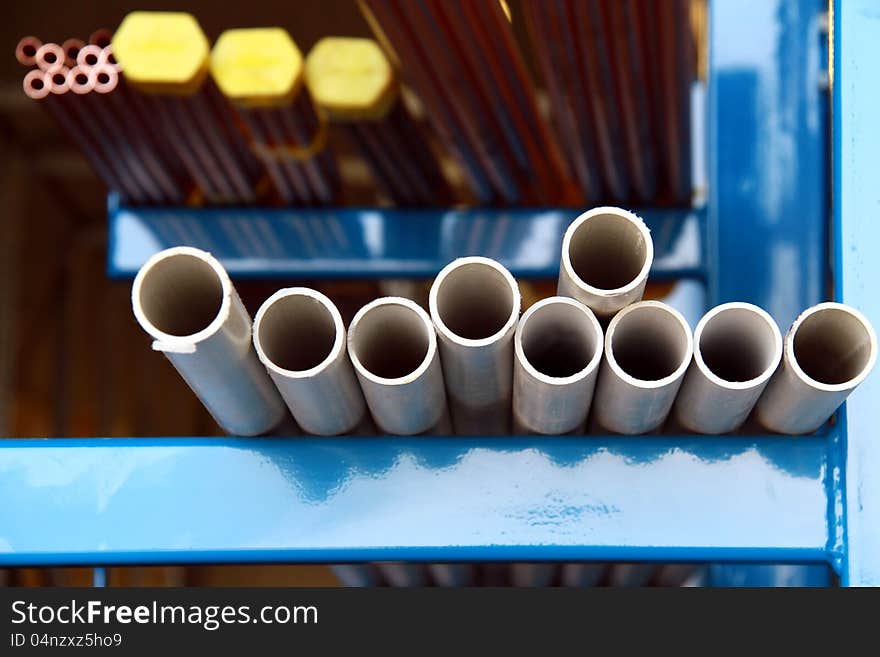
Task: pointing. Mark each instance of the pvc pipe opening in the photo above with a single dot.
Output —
(475, 299)
(649, 342)
(610, 250)
(390, 339)
(834, 346)
(560, 338)
(738, 343)
(180, 294)
(297, 331)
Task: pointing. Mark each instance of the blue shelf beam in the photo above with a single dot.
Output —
(180, 500)
(374, 243)
(856, 144)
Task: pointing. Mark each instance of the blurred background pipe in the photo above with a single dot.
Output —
(393, 348)
(405, 575)
(26, 50)
(356, 575)
(558, 349)
(300, 338)
(474, 304)
(829, 350)
(737, 348)
(580, 575)
(648, 348)
(453, 574)
(183, 298)
(532, 574)
(606, 256)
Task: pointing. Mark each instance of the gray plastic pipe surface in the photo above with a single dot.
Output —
(648, 347)
(829, 350)
(737, 348)
(557, 352)
(300, 339)
(474, 304)
(607, 253)
(393, 347)
(183, 298)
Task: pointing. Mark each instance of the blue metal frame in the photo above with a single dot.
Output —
(368, 242)
(763, 238)
(856, 144)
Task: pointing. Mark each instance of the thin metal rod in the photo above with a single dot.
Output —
(558, 350)
(300, 338)
(26, 50)
(581, 575)
(475, 304)
(648, 347)
(71, 49)
(421, 75)
(453, 574)
(183, 298)
(607, 253)
(48, 56)
(829, 350)
(737, 348)
(356, 575)
(532, 574)
(393, 346)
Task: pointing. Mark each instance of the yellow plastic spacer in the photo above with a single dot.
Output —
(162, 52)
(257, 67)
(351, 79)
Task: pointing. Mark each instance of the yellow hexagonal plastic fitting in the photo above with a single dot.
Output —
(258, 66)
(162, 52)
(351, 79)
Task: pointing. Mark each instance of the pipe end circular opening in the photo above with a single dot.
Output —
(833, 345)
(649, 342)
(390, 339)
(475, 299)
(560, 338)
(180, 294)
(609, 250)
(297, 332)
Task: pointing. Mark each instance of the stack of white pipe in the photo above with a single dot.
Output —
(474, 367)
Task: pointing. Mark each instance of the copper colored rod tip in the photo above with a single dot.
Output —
(26, 50)
(35, 84)
(57, 77)
(80, 81)
(71, 49)
(101, 37)
(49, 55)
(89, 56)
(106, 78)
(108, 59)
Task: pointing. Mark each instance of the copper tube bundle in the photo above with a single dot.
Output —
(289, 142)
(618, 74)
(352, 81)
(259, 72)
(462, 59)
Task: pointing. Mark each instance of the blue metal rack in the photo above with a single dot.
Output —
(763, 237)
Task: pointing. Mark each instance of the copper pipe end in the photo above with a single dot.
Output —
(71, 49)
(81, 81)
(89, 56)
(108, 58)
(49, 55)
(26, 50)
(106, 78)
(101, 37)
(57, 79)
(35, 84)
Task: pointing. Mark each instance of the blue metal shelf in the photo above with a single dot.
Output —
(176, 500)
(764, 237)
(364, 243)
